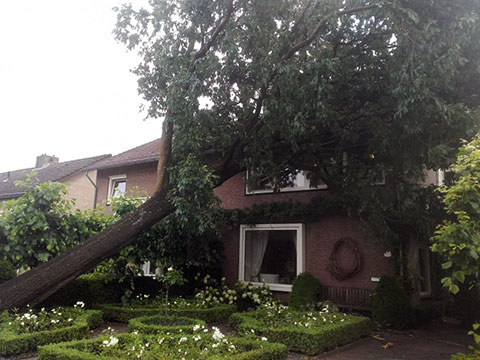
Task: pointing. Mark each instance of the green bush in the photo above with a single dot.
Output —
(92, 289)
(429, 310)
(164, 324)
(391, 304)
(12, 343)
(306, 332)
(306, 292)
(123, 313)
(169, 347)
(7, 272)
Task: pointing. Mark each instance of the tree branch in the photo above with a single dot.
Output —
(320, 26)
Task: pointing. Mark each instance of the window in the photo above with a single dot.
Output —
(148, 269)
(117, 186)
(298, 182)
(271, 254)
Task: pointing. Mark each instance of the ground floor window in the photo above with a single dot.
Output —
(272, 254)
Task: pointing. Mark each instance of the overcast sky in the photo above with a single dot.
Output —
(65, 85)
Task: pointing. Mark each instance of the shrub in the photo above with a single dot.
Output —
(14, 342)
(306, 292)
(203, 346)
(306, 332)
(7, 271)
(123, 313)
(165, 324)
(250, 296)
(391, 304)
(92, 288)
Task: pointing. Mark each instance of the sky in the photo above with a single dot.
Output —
(65, 84)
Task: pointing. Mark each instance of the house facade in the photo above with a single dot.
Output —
(334, 247)
(131, 172)
(79, 179)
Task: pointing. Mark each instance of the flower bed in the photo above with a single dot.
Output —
(22, 333)
(191, 309)
(306, 332)
(165, 324)
(201, 346)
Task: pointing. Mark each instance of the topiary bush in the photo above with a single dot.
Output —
(161, 324)
(391, 304)
(7, 272)
(308, 332)
(123, 312)
(19, 335)
(94, 288)
(306, 292)
(199, 345)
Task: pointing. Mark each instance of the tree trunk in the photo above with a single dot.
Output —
(37, 284)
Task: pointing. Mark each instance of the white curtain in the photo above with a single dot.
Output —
(256, 242)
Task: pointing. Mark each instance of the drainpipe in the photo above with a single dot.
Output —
(96, 189)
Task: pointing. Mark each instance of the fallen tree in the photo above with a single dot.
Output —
(278, 86)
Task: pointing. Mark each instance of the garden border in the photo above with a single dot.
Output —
(16, 344)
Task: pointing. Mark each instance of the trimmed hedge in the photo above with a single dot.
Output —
(310, 341)
(92, 289)
(15, 344)
(85, 349)
(122, 313)
(162, 324)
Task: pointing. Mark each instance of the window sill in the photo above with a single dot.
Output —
(275, 287)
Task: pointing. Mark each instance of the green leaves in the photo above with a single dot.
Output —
(458, 240)
(43, 223)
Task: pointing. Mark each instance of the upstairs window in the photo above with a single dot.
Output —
(296, 182)
(117, 186)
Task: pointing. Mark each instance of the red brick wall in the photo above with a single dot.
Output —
(142, 176)
(320, 238)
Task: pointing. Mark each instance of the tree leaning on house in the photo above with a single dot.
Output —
(279, 85)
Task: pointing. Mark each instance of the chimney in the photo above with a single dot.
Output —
(45, 160)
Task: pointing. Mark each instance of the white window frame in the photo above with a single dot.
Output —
(300, 247)
(147, 269)
(305, 187)
(111, 181)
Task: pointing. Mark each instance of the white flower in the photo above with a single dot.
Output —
(196, 327)
(217, 334)
(183, 339)
(170, 268)
(215, 345)
(264, 338)
(113, 341)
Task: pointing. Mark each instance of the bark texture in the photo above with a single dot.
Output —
(37, 284)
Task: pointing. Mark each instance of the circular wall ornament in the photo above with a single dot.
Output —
(334, 265)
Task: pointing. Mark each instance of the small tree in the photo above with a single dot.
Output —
(457, 240)
(43, 223)
(172, 277)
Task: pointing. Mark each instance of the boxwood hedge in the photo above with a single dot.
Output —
(246, 349)
(311, 341)
(15, 344)
(162, 324)
(123, 313)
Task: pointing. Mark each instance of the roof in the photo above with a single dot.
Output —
(50, 172)
(148, 152)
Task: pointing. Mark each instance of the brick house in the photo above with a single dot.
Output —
(276, 253)
(127, 172)
(75, 173)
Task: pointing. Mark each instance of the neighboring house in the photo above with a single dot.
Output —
(79, 180)
(276, 253)
(131, 170)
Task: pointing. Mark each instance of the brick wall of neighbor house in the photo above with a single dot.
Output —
(320, 238)
(81, 189)
(141, 176)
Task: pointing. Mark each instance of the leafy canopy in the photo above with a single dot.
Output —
(281, 85)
